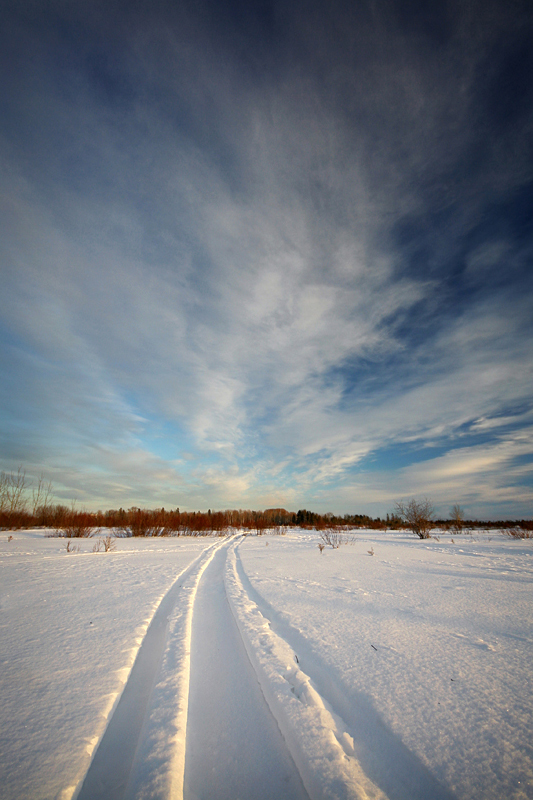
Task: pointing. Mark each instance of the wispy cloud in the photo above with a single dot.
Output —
(493, 475)
(296, 255)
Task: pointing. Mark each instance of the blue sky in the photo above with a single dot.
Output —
(269, 254)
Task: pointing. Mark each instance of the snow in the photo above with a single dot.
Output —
(228, 715)
(258, 667)
(319, 742)
(71, 626)
(425, 648)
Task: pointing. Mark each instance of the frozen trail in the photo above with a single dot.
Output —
(141, 753)
(234, 746)
(110, 769)
(317, 736)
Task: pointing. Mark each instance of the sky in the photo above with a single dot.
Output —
(268, 254)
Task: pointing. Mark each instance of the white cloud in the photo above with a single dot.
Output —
(484, 479)
(228, 264)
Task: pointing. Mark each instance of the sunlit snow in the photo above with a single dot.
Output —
(402, 674)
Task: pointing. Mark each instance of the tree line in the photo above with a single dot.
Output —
(26, 505)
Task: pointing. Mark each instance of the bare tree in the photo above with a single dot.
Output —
(457, 518)
(4, 490)
(12, 488)
(417, 515)
(42, 496)
(332, 537)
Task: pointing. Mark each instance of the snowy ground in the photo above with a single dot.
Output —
(269, 670)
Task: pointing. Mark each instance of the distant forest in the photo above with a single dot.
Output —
(24, 505)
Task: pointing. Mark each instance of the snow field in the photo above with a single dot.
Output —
(70, 629)
(160, 762)
(317, 738)
(425, 648)
(403, 675)
(234, 747)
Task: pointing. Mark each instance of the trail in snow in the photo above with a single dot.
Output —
(217, 706)
(435, 708)
(110, 769)
(192, 721)
(234, 748)
(374, 743)
(130, 760)
(317, 737)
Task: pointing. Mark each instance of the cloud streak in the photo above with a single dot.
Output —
(244, 259)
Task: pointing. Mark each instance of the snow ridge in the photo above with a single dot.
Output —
(155, 728)
(316, 736)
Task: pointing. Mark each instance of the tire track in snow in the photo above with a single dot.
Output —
(142, 753)
(384, 760)
(234, 746)
(142, 750)
(316, 736)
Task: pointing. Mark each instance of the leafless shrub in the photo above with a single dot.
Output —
(417, 515)
(332, 537)
(75, 529)
(106, 543)
(72, 548)
(457, 519)
(518, 533)
(141, 523)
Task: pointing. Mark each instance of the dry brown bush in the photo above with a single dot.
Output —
(418, 516)
(332, 537)
(518, 533)
(106, 543)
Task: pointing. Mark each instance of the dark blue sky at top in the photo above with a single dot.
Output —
(269, 253)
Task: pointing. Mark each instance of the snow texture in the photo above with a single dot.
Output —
(228, 717)
(425, 648)
(142, 753)
(71, 627)
(317, 738)
(256, 666)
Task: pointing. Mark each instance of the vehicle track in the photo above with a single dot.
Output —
(234, 746)
(317, 736)
(192, 721)
(142, 749)
(218, 707)
(359, 731)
